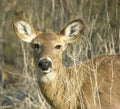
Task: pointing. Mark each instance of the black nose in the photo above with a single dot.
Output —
(44, 64)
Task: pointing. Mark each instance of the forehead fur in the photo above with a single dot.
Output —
(47, 37)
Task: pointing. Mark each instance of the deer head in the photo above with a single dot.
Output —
(48, 46)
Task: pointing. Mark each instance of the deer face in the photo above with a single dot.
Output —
(48, 47)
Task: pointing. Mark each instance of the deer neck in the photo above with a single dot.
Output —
(61, 87)
(54, 90)
(48, 87)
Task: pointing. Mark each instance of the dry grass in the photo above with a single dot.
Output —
(102, 34)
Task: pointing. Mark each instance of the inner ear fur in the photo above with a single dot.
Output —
(24, 29)
(76, 20)
(73, 30)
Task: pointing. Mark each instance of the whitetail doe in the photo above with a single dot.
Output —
(93, 84)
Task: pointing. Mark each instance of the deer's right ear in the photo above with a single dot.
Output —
(24, 30)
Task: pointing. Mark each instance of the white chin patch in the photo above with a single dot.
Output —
(47, 76)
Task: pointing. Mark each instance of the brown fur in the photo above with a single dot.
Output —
(78, 87)
(93, 84)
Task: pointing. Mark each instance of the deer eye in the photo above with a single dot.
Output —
(36, 46)
(58, 46)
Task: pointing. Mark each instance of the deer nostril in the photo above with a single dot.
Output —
(44, 64)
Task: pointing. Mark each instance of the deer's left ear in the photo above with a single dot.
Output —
(73, 30)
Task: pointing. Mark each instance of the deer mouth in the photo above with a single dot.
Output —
(46, 76)
(46, 71)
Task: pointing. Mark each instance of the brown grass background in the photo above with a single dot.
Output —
(19, 90)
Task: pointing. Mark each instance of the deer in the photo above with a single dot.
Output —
(91, 84)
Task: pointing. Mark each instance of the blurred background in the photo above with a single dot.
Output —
(18, 85)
